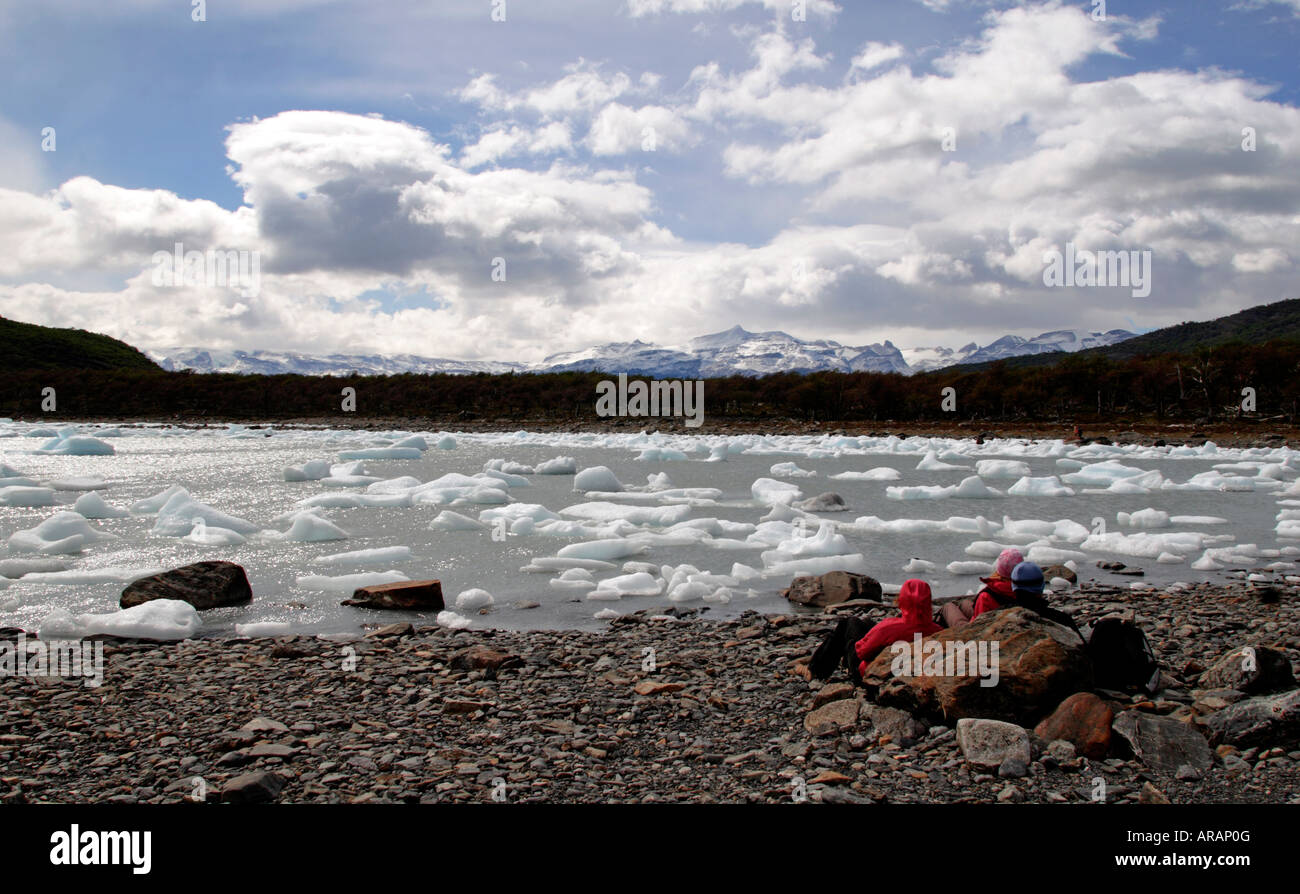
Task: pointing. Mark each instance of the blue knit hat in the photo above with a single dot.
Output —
(1027, 576)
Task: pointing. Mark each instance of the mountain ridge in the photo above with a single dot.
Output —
(733, 351)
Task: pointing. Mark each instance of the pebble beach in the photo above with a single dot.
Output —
(654, 708)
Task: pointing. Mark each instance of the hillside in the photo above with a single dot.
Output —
(25, 346)
(1280, 320)
(1254, 325)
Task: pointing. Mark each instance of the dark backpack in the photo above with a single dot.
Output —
(1122, 657)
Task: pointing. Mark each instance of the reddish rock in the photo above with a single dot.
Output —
(1039, 663)
(410, 595)
(832, 588)
(1083, 720)
(832, 692)
(654, 687)
(483, 658)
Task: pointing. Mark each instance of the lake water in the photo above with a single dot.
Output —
(241, 472)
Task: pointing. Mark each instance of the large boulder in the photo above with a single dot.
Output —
(408, 595)
(1162, 743)
(1038, 663)
(1260, 670)
(1272, 720)
(832, 588)
(1083, 720)
(203, 585)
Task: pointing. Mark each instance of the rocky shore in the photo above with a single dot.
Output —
(654, 708)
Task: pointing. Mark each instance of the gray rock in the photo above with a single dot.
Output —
(1162, 743)
(1259, 671)
(987, 743)
(1263, 720)
(253, 788)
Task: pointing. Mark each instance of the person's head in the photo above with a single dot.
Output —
(1008, 559)
(1027, 578)
(914, 598)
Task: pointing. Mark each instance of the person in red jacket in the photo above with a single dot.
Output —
(996, 593)
(857, 644)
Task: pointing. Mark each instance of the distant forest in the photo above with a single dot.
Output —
(1206, 383)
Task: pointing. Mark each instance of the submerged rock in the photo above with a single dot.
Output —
(203, 585)
(410, 595)
(833, 588)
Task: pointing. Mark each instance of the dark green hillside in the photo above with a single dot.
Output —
(26, 346)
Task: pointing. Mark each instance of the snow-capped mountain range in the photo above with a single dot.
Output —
(732, 352)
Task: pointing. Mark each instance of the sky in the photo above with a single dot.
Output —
(507, 179)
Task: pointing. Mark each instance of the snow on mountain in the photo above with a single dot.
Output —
(735, 351)
(272, 363)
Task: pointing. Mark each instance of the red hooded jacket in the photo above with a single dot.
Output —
(916, 617)
(986, 601)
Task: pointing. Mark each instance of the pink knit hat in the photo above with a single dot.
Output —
(1007, 560)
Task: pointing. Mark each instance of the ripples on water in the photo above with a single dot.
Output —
(239, 471)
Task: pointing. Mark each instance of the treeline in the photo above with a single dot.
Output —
(1207, 383)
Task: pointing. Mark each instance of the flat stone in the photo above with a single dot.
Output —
(987, 743)
(409, 595)
(832, 718)
(253, 788)
(1162, 743)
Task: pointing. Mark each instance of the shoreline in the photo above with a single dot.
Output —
(435, 715)
(1234, 434)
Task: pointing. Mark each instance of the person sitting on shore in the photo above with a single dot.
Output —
(1027, 586)
(996, 591)
(855, 643)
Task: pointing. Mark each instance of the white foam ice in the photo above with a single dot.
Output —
(257, 629)
(204, 535)
(346, 583)
(161, 619)
(1144, 518)
(790, 470)
(383, 555)
(1010, 469)
(598, 478)
(90, 576)
(313, 470)
(880, 473)
(638, 583)
(1048, 486)
(770, 492)
(62, 533)
(177, 515)
(561, 465)
(92, 505)
(604, 550)
(73, 445)
(454, 521)
(970, 568)
(27, 497)
(473, 600)
(381, 453)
